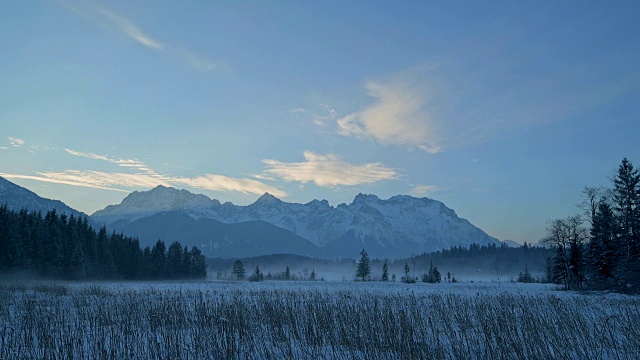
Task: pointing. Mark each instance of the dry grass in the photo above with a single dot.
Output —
(98, 323)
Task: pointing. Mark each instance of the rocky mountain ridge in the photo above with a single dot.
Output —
(399, 226)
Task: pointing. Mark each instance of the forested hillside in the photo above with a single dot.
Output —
(67, 247)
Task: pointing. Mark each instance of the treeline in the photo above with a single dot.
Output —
(483, 260)
(606, 255)
(67, 247)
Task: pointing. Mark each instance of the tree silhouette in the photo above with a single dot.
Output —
(385, 272)
(238, 269)
(364, 267)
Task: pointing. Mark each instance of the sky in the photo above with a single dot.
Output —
(503, 110)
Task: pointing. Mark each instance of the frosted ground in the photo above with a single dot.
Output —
(314, 320)
(391, 287)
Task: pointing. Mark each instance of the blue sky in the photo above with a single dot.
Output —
(503, 110)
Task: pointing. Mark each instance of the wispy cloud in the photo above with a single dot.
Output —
(119, 23)
(130, 163)
(44, 178)
(399, 116)
(145, 177)
(225, 183)
(128, 28)
(16, 142)
(4, 148)
(328, 171)
(195, 60)
(423, 190)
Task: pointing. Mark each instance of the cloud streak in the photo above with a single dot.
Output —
(130, 29)
(44, 178)
(143, 177)
(329, 171)
(119, 23)
(399, 116)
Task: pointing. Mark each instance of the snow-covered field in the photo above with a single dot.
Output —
(309, 320)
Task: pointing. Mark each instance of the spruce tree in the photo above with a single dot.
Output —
(406, 273)
(602, 247)
(385, 272)
(626, 195)
(257, 274)
(198, 264)
(238, 269)
(159, 260)
(364, 268)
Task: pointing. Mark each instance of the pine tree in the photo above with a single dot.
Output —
(238, 269)
(159, 260)
(406, 273)
(432, 276)
(364, 268)
(312, 277)
(174, 260)
(626, 195)
(287, 273)
(602, 252)
(525, 277)
(199, 264)
(385, 272)
(437, 277)
(257, 275)
(185, 267)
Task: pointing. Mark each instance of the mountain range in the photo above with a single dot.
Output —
(397, 227)
(394, 228)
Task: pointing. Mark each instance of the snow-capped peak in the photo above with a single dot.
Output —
(365, 199)
(140, 204)
(267, 199)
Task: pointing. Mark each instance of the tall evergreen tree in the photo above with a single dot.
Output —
(159, 259)
(385, 272)
(257, 275)
(198, 264)
(287, 273)
(626, 195)
(364, 267)
(238, 269)
(602, 246)
(405, 278)
(174, 260)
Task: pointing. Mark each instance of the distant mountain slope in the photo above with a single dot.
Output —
(217, 239)
(18, 198)
(142, 204)
(397, 227)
